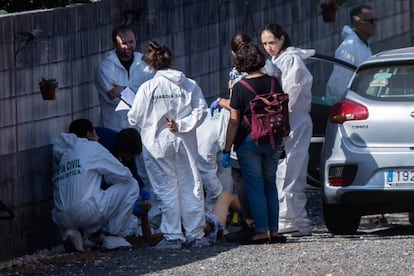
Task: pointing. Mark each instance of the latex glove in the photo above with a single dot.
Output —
(214, 105)
(143, 204)
(138, 210)
(144, 194)
(225, 160)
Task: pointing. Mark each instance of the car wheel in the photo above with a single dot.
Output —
(411, 217)
(341, 219)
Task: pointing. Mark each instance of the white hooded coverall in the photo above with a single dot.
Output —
(211, 138)
(111, 72)
(352, 50)
(80, 203)
(171, 158)
(291, 172)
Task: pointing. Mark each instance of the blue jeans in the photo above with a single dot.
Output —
(258, 165)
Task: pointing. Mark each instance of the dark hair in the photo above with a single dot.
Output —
(158, 57)
(239, 39)
(357, 10)
(249, 58)
(277, 31)
(120, 30)
(129, 140)
(80, 127)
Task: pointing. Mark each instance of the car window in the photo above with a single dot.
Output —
(320, 71)
(321, 67)
(385, 83)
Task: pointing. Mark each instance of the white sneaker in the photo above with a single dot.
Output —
(75, 238)
(114, 242)
(169, 244)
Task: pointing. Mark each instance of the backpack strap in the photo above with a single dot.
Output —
(248, 86)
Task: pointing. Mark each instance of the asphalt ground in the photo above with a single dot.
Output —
(382, 246)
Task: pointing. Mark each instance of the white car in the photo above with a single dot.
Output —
(367, 160)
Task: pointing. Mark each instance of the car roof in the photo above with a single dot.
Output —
(393, 55)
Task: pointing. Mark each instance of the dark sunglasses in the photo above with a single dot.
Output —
(370, 20)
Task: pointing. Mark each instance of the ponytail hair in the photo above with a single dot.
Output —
(239, 39)
(158, 57)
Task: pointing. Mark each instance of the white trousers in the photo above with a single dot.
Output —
(177, 184)
(112, 209)
(291, 176)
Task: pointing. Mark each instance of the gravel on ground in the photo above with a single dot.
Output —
(380, 247)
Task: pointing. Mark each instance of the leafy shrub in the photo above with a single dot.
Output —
(26, 5)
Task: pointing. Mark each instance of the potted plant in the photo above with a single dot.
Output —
(329, 8)
(48, 88)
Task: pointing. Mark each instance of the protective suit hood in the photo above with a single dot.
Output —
(114, 58)
(296, 79)
(175, 76)
(348, 33)
(302, 53)
(63, 143)
(352, 50)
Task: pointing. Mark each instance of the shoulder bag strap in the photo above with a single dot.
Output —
(248, 86)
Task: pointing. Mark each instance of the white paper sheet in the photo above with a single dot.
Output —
(127, 98)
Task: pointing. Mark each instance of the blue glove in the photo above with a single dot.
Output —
(214, 105)
(225, 160)
(144, 194)
(141, 206)
(138, 211)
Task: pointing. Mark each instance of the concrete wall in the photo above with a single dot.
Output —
(74, 39)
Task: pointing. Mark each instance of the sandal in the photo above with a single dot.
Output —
(256, 241)
(278, 239)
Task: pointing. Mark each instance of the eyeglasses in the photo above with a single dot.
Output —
(370, 20)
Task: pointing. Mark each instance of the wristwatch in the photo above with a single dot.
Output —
(218, 100)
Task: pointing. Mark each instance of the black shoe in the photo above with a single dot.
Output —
(256, 241)
(244, 234)
(278, 239)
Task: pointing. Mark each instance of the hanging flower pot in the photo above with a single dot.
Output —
(48, 88)
(328, 10)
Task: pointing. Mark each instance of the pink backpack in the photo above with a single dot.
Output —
(270, 115)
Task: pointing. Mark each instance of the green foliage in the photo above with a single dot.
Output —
(26, 5)
(48, 82)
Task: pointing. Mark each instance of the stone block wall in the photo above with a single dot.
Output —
(69, 43)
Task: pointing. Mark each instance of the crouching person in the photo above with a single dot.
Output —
(81, 206)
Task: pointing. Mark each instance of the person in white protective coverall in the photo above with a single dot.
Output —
(354, 48)
(211, 135)
(123, 67)
(291, 174)
(217, 180)
(80, 205)
(167, 110)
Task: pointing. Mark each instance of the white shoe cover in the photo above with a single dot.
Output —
(113, 242)
(75, 237)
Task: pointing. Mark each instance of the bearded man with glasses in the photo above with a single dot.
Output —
(354, 48)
